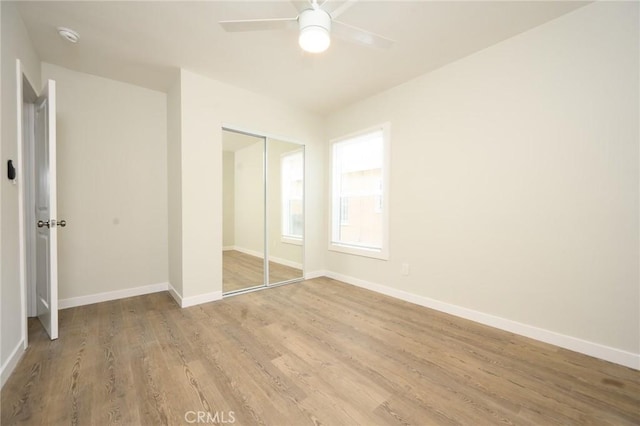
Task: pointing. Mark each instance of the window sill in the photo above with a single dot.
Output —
(360, 251)
(291, 240)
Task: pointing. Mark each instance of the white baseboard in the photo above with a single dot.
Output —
(11, 363)
(185, 302)
(228, 248)
(260, 255)
(315, 274)
(174, 293)
(285, 262)
(597, 350)
(111, 295)
(249, 252)
(201, 298)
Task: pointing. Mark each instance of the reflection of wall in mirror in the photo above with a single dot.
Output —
(249, 200)
(228, 200)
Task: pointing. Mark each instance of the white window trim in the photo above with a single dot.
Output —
(383, 253)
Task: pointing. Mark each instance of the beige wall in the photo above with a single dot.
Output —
(228, 199)
(112, 184)
(206, 105)
(514, 179)
(15, 44)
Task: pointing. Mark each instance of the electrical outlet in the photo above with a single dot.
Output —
(405, 269)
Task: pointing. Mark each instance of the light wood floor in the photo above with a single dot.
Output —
(318, 352)
(240, 271)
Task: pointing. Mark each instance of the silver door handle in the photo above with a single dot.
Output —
(42, 224)
(62, 223)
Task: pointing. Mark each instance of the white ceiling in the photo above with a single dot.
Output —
(144, 43)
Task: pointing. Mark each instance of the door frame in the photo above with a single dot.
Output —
(26, 98)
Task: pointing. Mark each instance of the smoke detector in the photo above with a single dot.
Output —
(68, 34)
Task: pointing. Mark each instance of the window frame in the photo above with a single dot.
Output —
(334, 211)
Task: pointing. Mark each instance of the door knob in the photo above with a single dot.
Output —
(42, 224)
(62, 223)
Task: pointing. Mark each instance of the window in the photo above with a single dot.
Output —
(292, 181)
(359, 172)
(344, 211)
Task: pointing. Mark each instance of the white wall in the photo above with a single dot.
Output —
(174, 185)
(514, 180)
(206, 105)
(15, 45)
(112, 184)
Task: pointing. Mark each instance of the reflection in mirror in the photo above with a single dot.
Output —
(285, 210)
(243, 211)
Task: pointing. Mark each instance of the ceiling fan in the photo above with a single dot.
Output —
(316, 23)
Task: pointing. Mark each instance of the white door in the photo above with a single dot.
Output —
(46, 209)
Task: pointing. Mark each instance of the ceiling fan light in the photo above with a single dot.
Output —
(314, 39)
(315, 26)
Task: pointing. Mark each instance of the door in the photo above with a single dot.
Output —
(46, 209)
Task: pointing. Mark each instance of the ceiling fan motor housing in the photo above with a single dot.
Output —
(315, 27)
(314, 18)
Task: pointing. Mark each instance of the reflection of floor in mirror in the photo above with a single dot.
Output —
(240, 270)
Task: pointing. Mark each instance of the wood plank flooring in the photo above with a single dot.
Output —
(241, 270)
(319, 352)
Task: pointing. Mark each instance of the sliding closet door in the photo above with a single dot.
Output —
(263, 211)
(243, 211)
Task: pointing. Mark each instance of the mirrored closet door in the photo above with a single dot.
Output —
(263, 184)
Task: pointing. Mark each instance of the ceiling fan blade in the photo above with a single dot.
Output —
(360, 36)
(301, 5)
(336, 8)
(260, 24)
